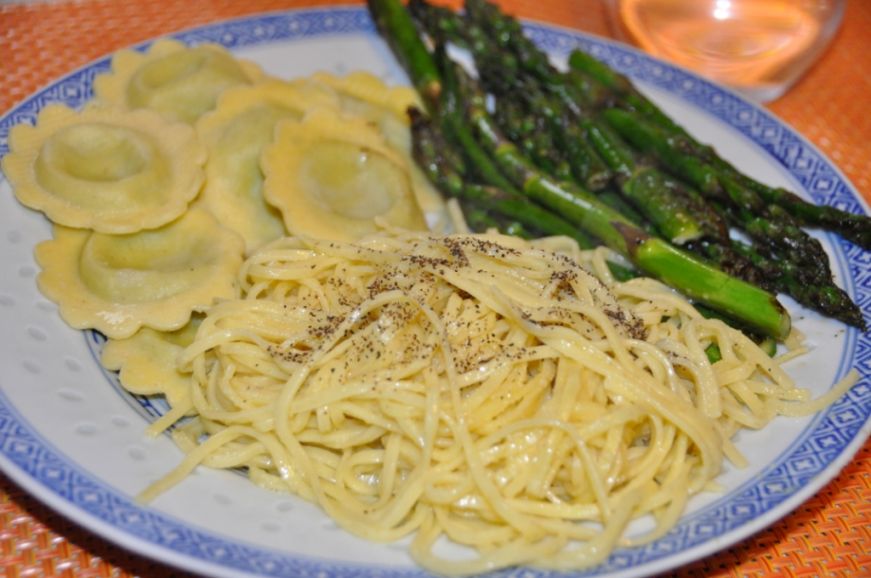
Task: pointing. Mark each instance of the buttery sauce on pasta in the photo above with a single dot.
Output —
(504, 395)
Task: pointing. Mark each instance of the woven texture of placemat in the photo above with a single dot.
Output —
(829, 535)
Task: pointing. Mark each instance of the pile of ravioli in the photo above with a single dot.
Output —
(188, 160)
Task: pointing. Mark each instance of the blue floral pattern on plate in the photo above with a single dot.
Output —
(782, 485)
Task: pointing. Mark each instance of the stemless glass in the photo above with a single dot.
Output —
(758, 47)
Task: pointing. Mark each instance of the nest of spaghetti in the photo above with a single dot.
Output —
(503, 395)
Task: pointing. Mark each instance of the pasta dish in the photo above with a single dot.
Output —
(269, 257)
(504, 394)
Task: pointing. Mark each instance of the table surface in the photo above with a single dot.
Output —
(829, 535)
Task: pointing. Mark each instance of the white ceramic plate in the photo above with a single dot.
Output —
(76, 443)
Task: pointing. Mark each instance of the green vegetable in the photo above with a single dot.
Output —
(700, 281)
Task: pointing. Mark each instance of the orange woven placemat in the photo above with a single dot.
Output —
(829, 535)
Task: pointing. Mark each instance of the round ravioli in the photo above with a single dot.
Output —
(365, 95)
(332, 176)
(105, 169)
(176, 80)
(235, 133)
(147, 362)
(156, 278)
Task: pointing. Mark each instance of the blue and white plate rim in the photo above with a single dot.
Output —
(741, 512)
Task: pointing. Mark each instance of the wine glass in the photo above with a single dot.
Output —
(758, 47)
